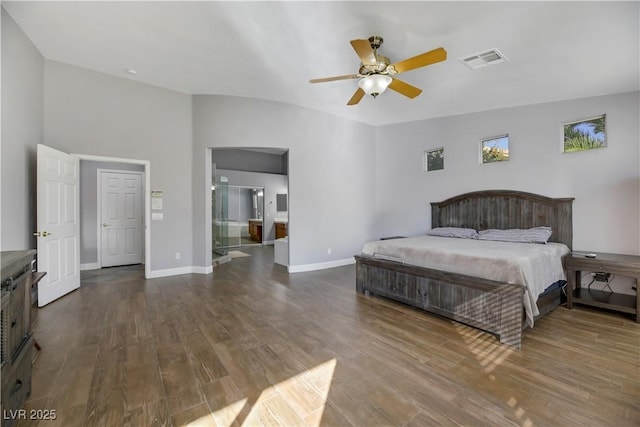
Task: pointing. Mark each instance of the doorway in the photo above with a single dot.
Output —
(59, 217)
(120, 217)
(264, 170)
(90, 219)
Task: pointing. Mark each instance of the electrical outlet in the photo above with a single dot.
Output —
(177, 255)
(329, 251)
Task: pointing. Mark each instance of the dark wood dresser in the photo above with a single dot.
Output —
(17, 341)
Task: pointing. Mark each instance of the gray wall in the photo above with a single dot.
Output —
(604, 182)
(96, 114)
(348, 182)
(22, 130)
(250, 161)
(331, 171)
(89, 205)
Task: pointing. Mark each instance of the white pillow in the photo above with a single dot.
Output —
(461, 233)
(531, 235)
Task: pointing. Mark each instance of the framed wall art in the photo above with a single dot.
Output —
(434, 159)
(585, 134)
(494, 149)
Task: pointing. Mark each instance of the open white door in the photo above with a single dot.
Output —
(58, 223)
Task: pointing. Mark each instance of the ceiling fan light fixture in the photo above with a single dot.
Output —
(375, 84)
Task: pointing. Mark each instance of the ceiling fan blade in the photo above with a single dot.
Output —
(404, 88)
(364, 51)
(356, 97)
(422, 60)
(331, 79)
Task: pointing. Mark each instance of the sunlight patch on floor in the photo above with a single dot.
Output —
(306, 394)
(491, 354)
(297, 400)
(227, 415)
(488, 352)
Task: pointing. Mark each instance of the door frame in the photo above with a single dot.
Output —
(147, 200)
(99, 208)
(209, 176)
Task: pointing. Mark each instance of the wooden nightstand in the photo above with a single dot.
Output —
(624, 265)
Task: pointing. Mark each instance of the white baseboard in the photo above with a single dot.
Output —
(154, 274)
(320, 265)
(89, 266)
(203, 270)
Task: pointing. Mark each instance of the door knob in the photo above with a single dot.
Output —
(45, 234)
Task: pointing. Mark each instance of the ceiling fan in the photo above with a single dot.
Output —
(377, 73)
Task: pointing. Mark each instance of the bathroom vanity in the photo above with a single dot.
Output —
(281, 228)
(255, 229)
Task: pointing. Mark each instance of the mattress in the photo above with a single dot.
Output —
(535, 266)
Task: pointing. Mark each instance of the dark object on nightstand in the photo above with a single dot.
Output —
(393, 237)
(603, 265)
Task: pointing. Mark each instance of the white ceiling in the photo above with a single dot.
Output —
(270, 50)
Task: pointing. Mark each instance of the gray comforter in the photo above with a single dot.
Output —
(536, 266)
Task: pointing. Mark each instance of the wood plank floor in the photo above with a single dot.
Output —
(253, 345)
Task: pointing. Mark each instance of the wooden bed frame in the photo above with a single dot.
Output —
(491, 306)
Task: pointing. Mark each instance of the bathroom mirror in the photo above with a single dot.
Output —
(281, 202)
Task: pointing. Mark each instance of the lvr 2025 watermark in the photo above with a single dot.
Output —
(32, 414)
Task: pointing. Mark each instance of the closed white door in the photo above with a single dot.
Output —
(58, 218)
(120, 218)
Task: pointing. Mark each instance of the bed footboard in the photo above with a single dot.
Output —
(491, 306)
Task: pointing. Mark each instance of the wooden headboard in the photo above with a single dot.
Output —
(505, 209)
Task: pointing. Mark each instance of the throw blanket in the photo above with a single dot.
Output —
(535, 266)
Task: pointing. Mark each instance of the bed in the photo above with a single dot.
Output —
(494, 304)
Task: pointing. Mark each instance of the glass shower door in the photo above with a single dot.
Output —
(245, 207)
(220, 205)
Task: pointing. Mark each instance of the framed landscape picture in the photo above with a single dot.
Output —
(434, 159)
(495, 149)
(585, 134)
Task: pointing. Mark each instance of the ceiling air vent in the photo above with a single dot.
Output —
(482, 59)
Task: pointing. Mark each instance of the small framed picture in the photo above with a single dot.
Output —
(585, 134)
(494, 149)
(434, 159)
